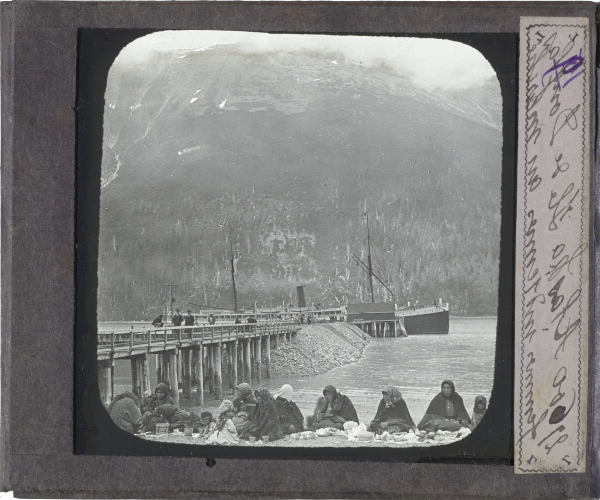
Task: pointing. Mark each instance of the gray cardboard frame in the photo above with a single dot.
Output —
(39, 57)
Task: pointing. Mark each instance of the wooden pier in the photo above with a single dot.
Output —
(194, 353)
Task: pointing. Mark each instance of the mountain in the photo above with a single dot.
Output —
(293, 148)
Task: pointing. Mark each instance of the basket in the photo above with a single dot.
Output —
(162, 428)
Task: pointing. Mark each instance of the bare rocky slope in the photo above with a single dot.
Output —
(316, 349)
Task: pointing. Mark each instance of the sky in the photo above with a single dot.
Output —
(428, 63)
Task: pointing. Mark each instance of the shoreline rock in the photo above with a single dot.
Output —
(317, 349)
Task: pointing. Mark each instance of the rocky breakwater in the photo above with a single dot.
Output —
(318, 348)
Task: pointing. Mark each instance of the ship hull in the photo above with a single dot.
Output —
(426, 322)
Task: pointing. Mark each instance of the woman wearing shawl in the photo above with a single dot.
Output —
(446, 412)
(124, 412)
(160, 397)
(392, 414)
(339, 410)
(244, 405)
(265, 421)
(225, 432)
(290, 416)
(478, 411)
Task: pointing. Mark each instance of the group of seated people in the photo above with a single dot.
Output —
(257, 414)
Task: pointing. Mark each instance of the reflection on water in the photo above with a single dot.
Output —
(416, 364)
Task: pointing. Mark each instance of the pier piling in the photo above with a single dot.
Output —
(268, 354)
(247, 361)
(211, 367)
(173, 380)
(217, 370)
(104, 381)
(258, 356)
(234, 363)
(199, 374)
(186, 374)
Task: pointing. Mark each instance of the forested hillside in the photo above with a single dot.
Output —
(293, 150)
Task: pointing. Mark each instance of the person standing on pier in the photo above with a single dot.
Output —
(158, 322)
(189, 319)
(177, 318)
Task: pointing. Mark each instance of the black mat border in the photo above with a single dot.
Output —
(95, 432)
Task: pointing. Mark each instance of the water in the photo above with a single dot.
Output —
(416, 364)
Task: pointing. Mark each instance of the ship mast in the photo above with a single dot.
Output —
(232, 270)
(369, 261)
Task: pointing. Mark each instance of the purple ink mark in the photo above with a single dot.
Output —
(569, 66)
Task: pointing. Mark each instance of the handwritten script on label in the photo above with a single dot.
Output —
(552, 249)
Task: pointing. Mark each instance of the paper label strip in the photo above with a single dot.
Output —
(552, 246)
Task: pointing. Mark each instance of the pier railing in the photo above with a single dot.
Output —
(126, 343)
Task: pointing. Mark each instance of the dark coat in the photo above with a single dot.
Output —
(437, 407)
(189, 320)
(289, 414)
(177, 319)
(395, 415)
(341, 406)
(124, 412)
(265, 420)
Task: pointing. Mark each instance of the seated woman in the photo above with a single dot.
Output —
(224, 432)
(160, 397)
(244, 405)
(446, 412)
(124, 412)
(317, 416)
(478, 411)
(339, 410)
(179, 419)
(265, 421)
(392, 414)
(290, 416)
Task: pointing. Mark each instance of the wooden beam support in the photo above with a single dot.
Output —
(186, 373)
(199, 372)
(247, 362)
(145, 366)
(104, 381)
(217, 369)
(268, 354)
(258, 356)
(211, 376)
(234, 363)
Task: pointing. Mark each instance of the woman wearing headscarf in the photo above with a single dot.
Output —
(478, 411)
(338, 411)
(124, 412)
(392, 414)
(225, 432)
(160, 397)
(290, 416)
(265, 421)
(446, 412)
(244, 405)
